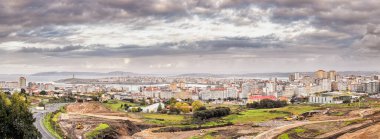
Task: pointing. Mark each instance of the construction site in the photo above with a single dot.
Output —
(84, 117)
(80, 119)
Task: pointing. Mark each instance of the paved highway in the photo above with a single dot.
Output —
(39, 115)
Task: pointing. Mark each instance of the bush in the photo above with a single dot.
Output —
(136, 109)
(188, 128)
(101, 128)
(217, 112)
(267, 103)
(164, 111)
(174, 110)
(41, 104)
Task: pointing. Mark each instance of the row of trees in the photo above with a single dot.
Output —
(16, 121)
(267, 103)
(217, 112)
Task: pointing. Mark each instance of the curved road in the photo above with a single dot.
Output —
(39, 115)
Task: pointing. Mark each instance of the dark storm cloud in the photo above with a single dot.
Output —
(312, 30)
(370, 42)
(218, 46)
(50, 50)
(322, 13)
(42, 12)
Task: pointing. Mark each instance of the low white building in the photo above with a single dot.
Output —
(321, 100)
(153, 107)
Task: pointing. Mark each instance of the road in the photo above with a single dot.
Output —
(39, 115)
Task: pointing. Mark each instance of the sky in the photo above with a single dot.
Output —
(189, 36)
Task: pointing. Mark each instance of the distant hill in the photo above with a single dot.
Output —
(114, 73)
(271, 74)
(274, 74)
(234, 75)
(76, 81)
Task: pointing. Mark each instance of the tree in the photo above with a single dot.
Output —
(202, 108)
(196, 105)
(16, 120)
(41, 104)
(143, 102)
(293, 99)
(150, 101)
(185, 108)
(159, 108)
(172, 101)
(43, 92)
(23, 91)
(178, 105)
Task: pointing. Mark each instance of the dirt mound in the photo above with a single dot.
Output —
(87, 107)
(119, 128)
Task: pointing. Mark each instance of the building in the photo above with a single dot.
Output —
(297, 76)
(332, 75)
(22, 82)
(331, 97)
(246, 89)
(320, 74)
(376, 77)
(326, 85)
(321, 100)
(292, 78)
(372, 87)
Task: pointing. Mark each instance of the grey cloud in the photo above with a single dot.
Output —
(46, 32)
(219, 46)
(50, 50)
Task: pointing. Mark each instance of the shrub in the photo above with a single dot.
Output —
(97, 131)
(217, 112)
(267, 103)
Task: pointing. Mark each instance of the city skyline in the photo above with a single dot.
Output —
(189, 36)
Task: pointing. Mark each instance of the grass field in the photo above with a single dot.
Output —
(55, 117)
(163, 119)
(297, 109)
(253, 116)
(48, 125)
(205, 136)
(261, 115)
(98, 130)
(115, 104)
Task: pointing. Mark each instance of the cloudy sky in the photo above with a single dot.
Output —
(183, 36)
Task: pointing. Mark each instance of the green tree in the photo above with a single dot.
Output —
(43, 92)
(172, 101)
(16, 120)
(159, 108)
(196, 105)
(143, 102)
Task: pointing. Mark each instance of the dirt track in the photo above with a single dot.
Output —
(87, 107)
(372, 132)
(279, 130)
(234, 129)
(90, 114)
(108, 117)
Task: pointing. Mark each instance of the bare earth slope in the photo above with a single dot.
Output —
(372, 132)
